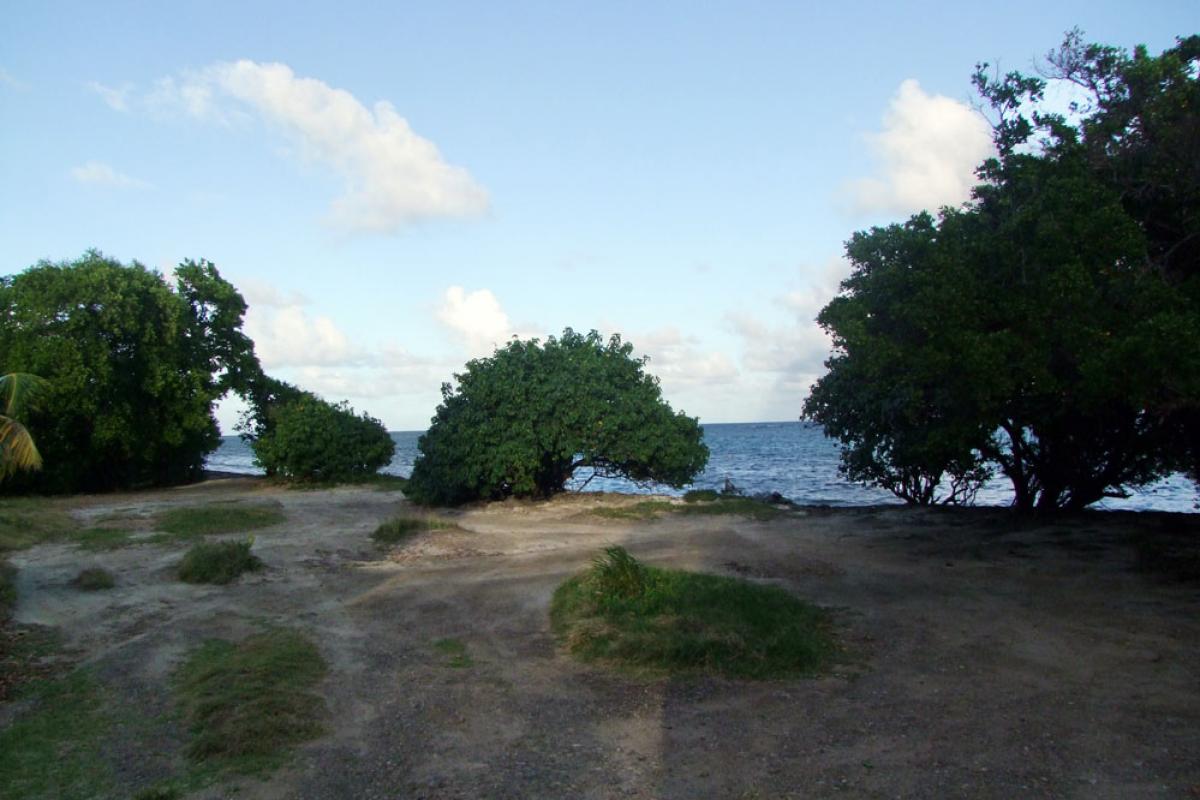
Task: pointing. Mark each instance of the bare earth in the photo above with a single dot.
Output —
(985, 658)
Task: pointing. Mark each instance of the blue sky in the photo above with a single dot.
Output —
(398, 187)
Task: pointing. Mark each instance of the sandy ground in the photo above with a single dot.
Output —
(985, 658)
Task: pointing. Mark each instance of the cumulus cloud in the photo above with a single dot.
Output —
(285, 334)
(928, 150)
(97, 173)
(679, 362)
(477, 320)
(392, 176)
(116, 98)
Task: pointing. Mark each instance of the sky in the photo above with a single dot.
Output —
(396, 188)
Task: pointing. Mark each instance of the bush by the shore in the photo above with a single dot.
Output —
(312, 440)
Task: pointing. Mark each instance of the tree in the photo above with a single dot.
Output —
(522, 421)
(1044, 329)
(312, 440)
(133, 368)
(17, 448)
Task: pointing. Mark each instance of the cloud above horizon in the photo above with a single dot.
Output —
(97, 173)
(392, 177)
(928, 150)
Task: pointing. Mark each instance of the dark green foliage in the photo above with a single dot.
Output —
(190, 521)
(1038, 330)
(218, 562)
(312, 440)
(8, 590)
(624, 612)
(247, 702)
(132, 368)
(400, 528)
(456, 653)
(94, 579)
(522, 421)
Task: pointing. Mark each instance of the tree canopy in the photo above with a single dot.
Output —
(309, 439)
(1046, 329)
(521, 421)
(132, 367)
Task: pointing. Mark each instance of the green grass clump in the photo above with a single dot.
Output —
(456, 652)
(94, 579)
(218, 562)
(701, 496)
(626, 613)
(400, 528)
(193, 521)
(8, 590)
(101, 538)
(741, 506)
(646, 509)
(247, 702)
(26, 521)
(54, 748)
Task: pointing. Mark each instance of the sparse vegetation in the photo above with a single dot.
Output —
(8, 590)
(102, 538)
(94, 579)
(398, 529)
(27, 521)
(700, 495)
(193, 521)
(455, 652)
(218, 562)
(645, 509)
(700, 502)
(626, 613)
(247, 702)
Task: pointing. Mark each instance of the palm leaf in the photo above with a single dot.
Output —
(17, 389)
(17, 450)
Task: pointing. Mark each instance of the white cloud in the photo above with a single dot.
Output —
(116, 98)
(285, 334)
(476, 319)
(928, 150)
(393, 177)
(678, 362)
(97, 173)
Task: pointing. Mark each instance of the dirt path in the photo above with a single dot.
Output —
(985, 660)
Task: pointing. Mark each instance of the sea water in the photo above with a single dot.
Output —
(795, 459)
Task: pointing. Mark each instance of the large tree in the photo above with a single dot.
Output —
(522, 421)
(133, 367)
(1046, 328)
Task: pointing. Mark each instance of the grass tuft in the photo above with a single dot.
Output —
(741, 506)
(633, 615)
(94, 579)
(8, 590)
(194, 521)
(701, 496)
(26, 521)
(398, 529)
(456, 652)
(646, 509)
(247, 702)
(218, 562)
(101, 538)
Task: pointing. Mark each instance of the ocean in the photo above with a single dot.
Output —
(795, 459)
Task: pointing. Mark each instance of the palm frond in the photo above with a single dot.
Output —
(18, 389)
(17, 450)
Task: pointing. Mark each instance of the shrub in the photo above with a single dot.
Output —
(218, 562)
(522, 421)
(94, 579)
(400, 528)
(189, 521)
(312, 440)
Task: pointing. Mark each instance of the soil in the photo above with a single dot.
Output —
(985, 656)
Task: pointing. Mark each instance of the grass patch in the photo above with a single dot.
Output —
(400, 528)
(701, 496)
(247, 702)
(629, 614)
(193, 521)
(53, 750)
(218, 562)
(455, 652)
(8, 590)
(645, 509)
(26, 521)
(741, 506)
(94, 579)
(95, 539)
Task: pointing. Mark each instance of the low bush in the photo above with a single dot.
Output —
(312, 440)
(218, 562)
(633, 615)
(246, 702)
(94, 579)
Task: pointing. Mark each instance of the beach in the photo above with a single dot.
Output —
(982, 655)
